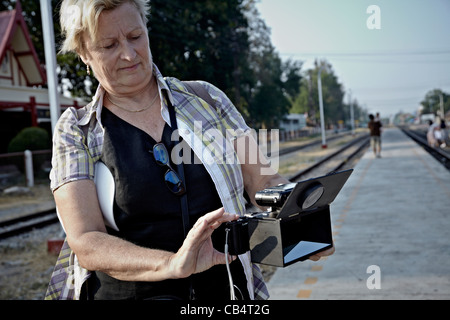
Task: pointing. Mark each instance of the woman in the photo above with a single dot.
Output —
(126, 126)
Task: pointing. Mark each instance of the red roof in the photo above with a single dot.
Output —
(14, 36)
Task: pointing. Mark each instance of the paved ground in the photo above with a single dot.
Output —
(391, 227)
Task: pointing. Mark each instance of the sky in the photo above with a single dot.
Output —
(387, 69)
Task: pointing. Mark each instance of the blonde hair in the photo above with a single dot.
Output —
(80, 16)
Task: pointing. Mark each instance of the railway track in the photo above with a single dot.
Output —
(443, 156)
(335, 161)
(316, 142)
(27, 223)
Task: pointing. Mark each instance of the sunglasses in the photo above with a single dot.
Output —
(173, 181)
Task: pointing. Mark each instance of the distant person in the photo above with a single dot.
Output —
(444, 133)
(435, 134)
(375, 135)
(378, 119)
(430, 134)
(438, 136)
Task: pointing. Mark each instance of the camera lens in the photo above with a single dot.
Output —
(311, 196)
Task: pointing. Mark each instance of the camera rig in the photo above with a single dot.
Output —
(296, 226)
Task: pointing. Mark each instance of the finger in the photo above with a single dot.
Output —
(201, 231)
(220, 258)
(227, 217)
(327, 252)
(330, 251)
(314, 258)
(322, 254)
(210, 217)
(221, 216)
(216, 217)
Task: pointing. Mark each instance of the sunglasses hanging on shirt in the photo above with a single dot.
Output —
(171, 178)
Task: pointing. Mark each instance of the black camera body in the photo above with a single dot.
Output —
(296, 226)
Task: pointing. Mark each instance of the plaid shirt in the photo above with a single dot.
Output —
(77, 146)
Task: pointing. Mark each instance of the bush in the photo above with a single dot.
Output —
(33, 138)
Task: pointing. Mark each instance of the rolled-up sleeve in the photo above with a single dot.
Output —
(71, 159)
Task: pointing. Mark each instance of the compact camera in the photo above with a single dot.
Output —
(296, 226)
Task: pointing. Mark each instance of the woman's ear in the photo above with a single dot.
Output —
(83, 54)
(85, 58)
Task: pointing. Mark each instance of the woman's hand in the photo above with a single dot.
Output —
(324, 253)
(197, 253)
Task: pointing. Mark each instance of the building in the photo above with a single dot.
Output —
(24, 101)
(293, 122)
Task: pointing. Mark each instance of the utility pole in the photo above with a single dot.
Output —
(322, 120)
(50, 60)
(441, 98)
(54, 244)
(352, 113)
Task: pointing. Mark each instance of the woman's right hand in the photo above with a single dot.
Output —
(96, 250)
(197, 253)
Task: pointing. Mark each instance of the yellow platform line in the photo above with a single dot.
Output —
(306, 293)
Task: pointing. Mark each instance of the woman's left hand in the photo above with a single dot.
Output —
(324, 253)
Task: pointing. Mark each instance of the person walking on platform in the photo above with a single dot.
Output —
(375, 135)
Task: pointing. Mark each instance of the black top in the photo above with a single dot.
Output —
(149, 215)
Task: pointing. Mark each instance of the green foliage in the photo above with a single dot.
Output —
(33, 138)
(202, 40)
(335, 109)
(224, 42)
(432, 101)
(277, 84)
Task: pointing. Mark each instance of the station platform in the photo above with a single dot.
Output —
(391, 225)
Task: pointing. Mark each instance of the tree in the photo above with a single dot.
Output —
(276, 82)
(307, 101)
(292, 78)
(205, 40)
(224, 42)
(432, 101)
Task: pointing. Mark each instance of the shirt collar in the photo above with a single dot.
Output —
(96, 105)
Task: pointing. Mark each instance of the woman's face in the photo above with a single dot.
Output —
(120, 56)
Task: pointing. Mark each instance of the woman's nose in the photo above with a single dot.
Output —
(127, 52)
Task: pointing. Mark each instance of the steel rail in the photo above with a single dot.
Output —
(27, 223)
(364, 140)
